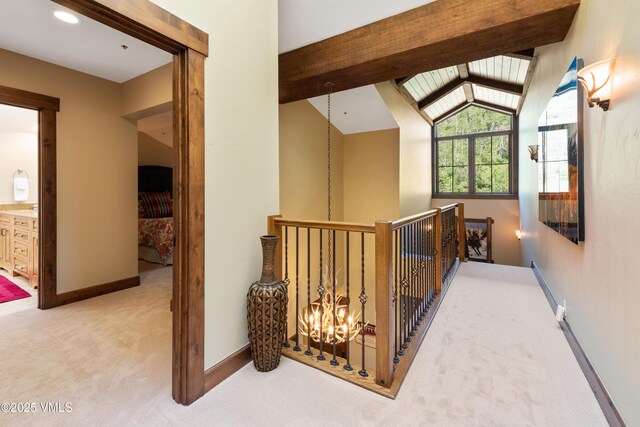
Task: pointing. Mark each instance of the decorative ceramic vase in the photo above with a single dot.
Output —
(267, 311)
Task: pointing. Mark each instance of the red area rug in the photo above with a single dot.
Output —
(9, 291)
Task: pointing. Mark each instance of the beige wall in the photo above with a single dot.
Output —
(97, 172)
(241, 156)
(148, 94)
(303, 164)
(598, 278)
(18, 150)
(152, 152)
(506, 217)
(303, 187)
(371, 176)
(371, 193)
(415, 152)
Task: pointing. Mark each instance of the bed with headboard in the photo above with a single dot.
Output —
(155, 214)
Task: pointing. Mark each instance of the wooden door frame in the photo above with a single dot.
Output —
(47, 108)
(150, 23)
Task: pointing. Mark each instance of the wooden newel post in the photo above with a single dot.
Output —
(462, 232)
(438, 250)
(384, 304)
(276, 230)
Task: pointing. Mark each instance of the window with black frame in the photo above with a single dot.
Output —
(473, 154)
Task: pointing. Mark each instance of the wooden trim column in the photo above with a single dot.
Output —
(47, 203)
(462, 232)
(47, 107)
(384, 304)
(188, 298)
(438, 250)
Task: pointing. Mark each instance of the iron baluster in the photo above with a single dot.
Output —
(407, 322)
(403, 289)
(334, 361)
(363, 299)
(348, 366)
(308, 352)
(286, 282)
(321, 292)
(297, 346)
(396, 243)
(414, 276)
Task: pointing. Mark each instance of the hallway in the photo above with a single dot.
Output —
(494, 356)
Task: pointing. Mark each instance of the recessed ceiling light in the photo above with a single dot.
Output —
(66, 17)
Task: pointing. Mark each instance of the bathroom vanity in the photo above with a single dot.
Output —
(19, 244)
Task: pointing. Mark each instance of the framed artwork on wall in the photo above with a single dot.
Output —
(478, 246)
(560, 163)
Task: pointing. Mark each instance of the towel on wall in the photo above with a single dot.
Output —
(21, 189)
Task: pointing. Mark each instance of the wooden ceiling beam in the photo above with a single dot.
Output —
(480, 81)
(451, 112)
(492, 106)
(440, 93)
(437, 35)
(515, 89)
(476, 102)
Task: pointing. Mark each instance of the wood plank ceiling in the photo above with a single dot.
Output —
(500, 82)
(437, 36)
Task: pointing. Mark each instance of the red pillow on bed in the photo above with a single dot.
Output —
(157, 205)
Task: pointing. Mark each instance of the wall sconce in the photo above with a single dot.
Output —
(533, 152)
(596, 80)
(519, 234)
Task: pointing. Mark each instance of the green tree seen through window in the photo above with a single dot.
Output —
(474, 120)
(474, 151)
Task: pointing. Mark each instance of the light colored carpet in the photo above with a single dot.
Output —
(494, 356)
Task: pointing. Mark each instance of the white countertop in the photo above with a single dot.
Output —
(26, 213)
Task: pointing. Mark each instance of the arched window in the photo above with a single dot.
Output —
(474, 154)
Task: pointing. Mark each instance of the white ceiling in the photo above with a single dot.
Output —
(28, 27)
(356, 110)
(302, 22)
(18, 120)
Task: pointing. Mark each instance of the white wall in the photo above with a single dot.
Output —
(599, 278)
(18, 150)
(241, 155)
(415, 152)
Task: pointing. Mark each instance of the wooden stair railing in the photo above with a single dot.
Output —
(405, 264)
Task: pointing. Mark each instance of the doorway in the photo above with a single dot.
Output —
(189, 46)
(18, 208)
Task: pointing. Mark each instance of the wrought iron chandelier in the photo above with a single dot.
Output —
(319, 318)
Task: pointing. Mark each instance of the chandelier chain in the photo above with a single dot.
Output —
(329, 85)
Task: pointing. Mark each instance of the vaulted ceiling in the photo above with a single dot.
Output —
(500, 83)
